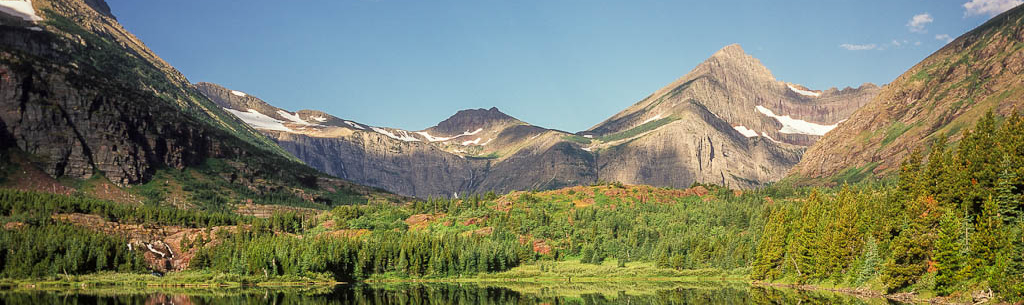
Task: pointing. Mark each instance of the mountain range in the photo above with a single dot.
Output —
(727, 122)
(81, 98)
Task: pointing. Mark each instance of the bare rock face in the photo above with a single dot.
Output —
(84, 97)
(82, 117)
(699, 147)
(938, 98)
(686, 132)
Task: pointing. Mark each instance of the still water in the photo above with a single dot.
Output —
(512, 293)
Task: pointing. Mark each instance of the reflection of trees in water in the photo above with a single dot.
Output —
(444, 294)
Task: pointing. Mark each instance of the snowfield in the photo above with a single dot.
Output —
(431, 138)
(796, 126)
(473, 142)
(239, 93)
(401, 136)
(803, 92)
(21, 9)
(292, 117)
(259, 121)
(745, 132)
(354, 125)
(655, 118)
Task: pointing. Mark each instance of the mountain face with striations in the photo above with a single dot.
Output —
(728, 122)
(83, 98)
(981, 71)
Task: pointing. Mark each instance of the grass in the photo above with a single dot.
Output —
(575, 271)
(635, 131)
(577, 139)
(855, 174)
(200, 278)
(895, 131)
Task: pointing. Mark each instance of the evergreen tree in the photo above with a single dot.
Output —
(948, 254)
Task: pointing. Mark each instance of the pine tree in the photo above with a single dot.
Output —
(948, 256)
(988, 240)
(772, 248)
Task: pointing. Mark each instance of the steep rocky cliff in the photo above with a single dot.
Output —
(728, 122)
(84, 97)
(978, 72)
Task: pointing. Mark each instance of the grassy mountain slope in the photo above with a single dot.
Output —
(981, 71)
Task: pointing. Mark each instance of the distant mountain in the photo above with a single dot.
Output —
(82, 98)
(728, 122)
(981, 71)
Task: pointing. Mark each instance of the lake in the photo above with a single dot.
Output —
(406, 293)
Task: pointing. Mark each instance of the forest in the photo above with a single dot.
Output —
(950, 221)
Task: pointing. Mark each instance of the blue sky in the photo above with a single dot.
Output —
(564, 64)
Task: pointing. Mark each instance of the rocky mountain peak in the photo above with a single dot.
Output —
(734, 61)
(473, 119)
(101, 7)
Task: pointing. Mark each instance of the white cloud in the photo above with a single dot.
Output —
(919, 21)
(944, 37)
(989, 7)
(859, 47)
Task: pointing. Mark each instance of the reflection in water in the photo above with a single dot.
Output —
(586, 294)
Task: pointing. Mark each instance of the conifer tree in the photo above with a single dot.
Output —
(948, 254)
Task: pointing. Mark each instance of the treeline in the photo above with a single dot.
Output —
(38, 207)
(43, 251)
(952, 222)
(347, 259)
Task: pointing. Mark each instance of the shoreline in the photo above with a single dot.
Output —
(156, 283)
(903, 297)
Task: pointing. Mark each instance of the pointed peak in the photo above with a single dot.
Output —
(735, 49)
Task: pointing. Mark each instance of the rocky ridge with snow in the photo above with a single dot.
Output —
(728, 122)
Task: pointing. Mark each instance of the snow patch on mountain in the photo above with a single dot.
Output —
(803, 92)
(20, 9)
(400, 135)
(473, 142)
(431, 138)
(319, 119)
(239, 93)
(259, 121)
(745, 132)
(354, 125)
(796, 126)
(655, 118)
(292, 117)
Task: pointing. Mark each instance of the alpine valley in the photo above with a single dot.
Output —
(122, 181)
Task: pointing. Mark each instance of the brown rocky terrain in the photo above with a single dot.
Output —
(940, 97)
(705, 127)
